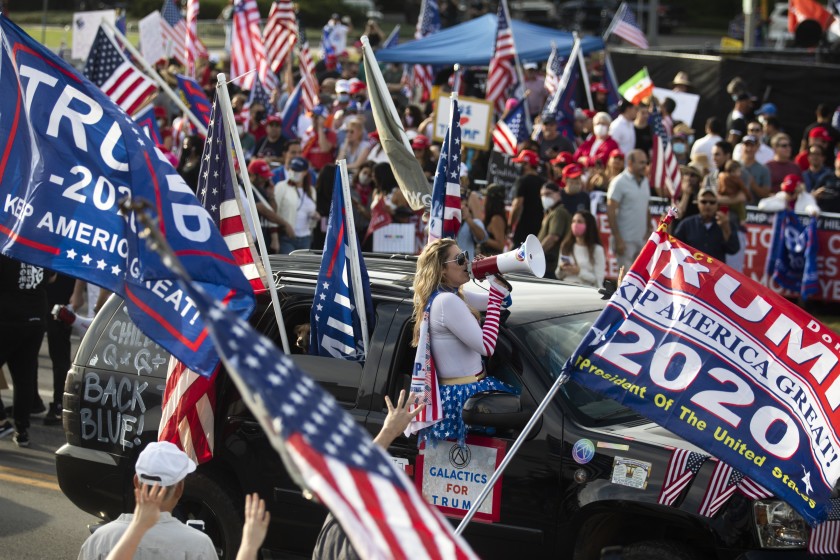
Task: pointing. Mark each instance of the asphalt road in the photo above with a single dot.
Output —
(36, 520)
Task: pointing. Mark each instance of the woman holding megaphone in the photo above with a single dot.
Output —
(450, 339)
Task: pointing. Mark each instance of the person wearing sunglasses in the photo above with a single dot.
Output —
(450, 340)
(711, 231)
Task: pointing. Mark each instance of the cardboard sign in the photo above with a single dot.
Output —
(395, 238)
(686, 104)
(151, 39)
(476, 121)
(85, 25)
(451, 477)
(502, 171)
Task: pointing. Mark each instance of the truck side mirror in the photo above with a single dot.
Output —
(499, 410)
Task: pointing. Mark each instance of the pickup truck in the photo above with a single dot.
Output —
(560, 497)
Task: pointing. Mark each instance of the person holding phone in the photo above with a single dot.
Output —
(450, 339)
(711, 231)
(582, 257)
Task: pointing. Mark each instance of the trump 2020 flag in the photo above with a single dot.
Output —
(326, 451)
(445, 214)
(724, 363)
(194, 97)
(792, 258)
(69, 156)
(147, 122)
(562, 104)
(336, 327)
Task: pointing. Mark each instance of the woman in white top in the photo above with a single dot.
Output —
(582, 259)
(296, 204)
(355, 147)
(458, 340)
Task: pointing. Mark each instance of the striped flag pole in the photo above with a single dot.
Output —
(156, 77)
(355, 255)
(233, 136)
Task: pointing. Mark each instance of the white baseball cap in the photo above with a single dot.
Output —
(163, 463)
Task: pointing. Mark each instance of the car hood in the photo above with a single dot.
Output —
(648, 432)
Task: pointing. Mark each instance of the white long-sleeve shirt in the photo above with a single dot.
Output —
(458, 340)
(591, 273)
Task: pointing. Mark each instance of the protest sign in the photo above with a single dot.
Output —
(85, 25)
(502, 171)
(686, 104)
(476, 121)
(151, 39)
(725, 364)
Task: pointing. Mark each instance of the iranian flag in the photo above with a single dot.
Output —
(637, 87)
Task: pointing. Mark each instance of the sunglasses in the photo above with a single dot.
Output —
(460, 259)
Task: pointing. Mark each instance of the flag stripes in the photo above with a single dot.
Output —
(187, 417)
(665, 172)
(280, 34)
(501, 75)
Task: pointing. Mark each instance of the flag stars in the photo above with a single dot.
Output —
(288, 409)
(71, 254)
(116, 270)
(252, 361)
(326, 285)
(323, 296)
(274, 379)
(86, 259)
(319, 307)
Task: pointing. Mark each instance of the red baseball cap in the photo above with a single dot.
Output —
(260, 168)
(563, 158)
(820, 133)
(273, 119)
(598, 87)
(420, 142)
(589, 113)
(617, 154)
(527, 156)
(571, 171)
(790, 183)
(356, 85)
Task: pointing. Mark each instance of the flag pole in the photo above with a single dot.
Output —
(355, 255)
(227, 114)
(609, 30)
(584, 74)
(156, 77)
(561, 380)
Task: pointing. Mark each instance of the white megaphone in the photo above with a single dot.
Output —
(528, 258)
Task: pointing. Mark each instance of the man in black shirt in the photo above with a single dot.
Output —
(272, 146)
(526, 211)
(573, 196)
(827, 191)
(711, 231)
(23, 299)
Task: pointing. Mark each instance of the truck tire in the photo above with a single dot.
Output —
(208, 501)
(658, 550)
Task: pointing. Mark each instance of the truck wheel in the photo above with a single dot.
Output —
(658, 550)
(206, 500)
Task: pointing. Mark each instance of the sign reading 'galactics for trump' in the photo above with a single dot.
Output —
(727, 365)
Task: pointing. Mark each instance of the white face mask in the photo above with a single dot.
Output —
(547, 202)
(296, 176)
(364, 178)
(601, 130)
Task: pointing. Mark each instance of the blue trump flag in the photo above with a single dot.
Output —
(562, 104)
(729, 366)
(195, 98)
(70, 155)
(792, 258)
(336, 328)
(147, 122)
(291, 113)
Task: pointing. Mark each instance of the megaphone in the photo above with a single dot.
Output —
(528, 258)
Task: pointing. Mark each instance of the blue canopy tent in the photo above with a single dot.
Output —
(471, 44)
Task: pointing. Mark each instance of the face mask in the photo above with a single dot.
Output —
(364, 178)
(601, 130)
(409, 120)
(296, 176)
(578, 229)
(547, 202)
(343, 97)
(679, 148)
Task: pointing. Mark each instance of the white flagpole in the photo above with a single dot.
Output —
(609, 30)
(583, 71)
(224, 100)
(355, 266)
(156, 77)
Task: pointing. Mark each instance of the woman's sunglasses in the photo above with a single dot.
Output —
(460, 259)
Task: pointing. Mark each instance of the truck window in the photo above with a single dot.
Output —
(123, 348)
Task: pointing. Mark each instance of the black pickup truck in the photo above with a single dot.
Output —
(587, 478)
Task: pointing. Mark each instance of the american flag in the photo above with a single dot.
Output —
(501, 75)
(562, 104)
(427, 23)
(111, 71)
(825, 536)
(445, 214)
(624, 25)
(511, 130)
(336, 327)
(247, 52)
(187, 417)
(553, 71)
(682, 468)
(280, 33)
(174, 30)
(725, 481)
(218, 194)
(259, 95)
(311, 89)
(664, 168)
(193, 47)
(326, 451)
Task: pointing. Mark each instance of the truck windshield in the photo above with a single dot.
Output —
(551, 342)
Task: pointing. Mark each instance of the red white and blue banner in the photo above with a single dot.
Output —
(792, 258)
(727, 365)
(69, 156)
